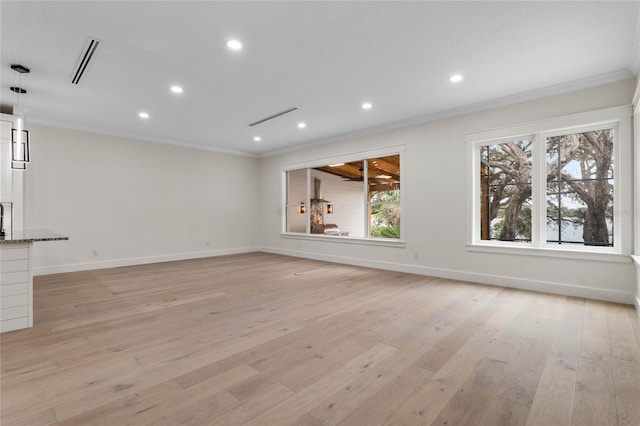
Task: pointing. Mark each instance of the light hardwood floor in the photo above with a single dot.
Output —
(261, 339)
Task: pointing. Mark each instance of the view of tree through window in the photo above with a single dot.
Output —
(553, 184)
(580, 188)
(505, 195)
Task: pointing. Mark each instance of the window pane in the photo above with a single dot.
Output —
(580, 188)
(337, 199)
(565, 215)
(384, 174)
(385, 220)
(296, 200)
(384, 196)
(505, 191)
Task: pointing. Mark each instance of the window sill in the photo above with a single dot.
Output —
(348, 240)
(603, 255)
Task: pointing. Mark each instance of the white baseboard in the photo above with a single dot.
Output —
(114, 263)
(499, 280)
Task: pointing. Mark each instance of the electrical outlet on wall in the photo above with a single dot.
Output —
(206, 243)
(94, 253)
(416, 255)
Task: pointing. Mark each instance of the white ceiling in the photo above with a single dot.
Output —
(325, 58)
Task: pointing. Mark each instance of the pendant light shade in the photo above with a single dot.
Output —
(19, 134)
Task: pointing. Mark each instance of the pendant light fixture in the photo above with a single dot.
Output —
(19, 134)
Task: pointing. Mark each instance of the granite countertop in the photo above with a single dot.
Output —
(31, 235)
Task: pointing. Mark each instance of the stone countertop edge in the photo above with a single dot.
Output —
(31, 235)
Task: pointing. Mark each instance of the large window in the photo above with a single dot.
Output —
(354, 198)
(554, 189)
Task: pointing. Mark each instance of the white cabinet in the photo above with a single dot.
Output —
(16, 287)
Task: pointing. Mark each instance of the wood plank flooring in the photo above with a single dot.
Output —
(262, 339)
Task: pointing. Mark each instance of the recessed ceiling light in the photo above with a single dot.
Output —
(234, 45)
(257, 139)
(455, 78)
(176, 89)
(383, 177)
(143, 114)
(366, 105)
(302, 125)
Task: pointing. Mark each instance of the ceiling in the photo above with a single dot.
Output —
(325, 58)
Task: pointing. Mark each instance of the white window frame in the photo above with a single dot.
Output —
(618, 118)
(345, 158)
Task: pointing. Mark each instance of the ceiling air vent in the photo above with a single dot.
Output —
(87, 53)
(272, 116)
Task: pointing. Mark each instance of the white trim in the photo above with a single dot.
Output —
(504, 281)
(283, 200)
(366, 221)
(539, 197)
(403, 209)
(115, 263)
(499, 280)
(31, 274)
(559, 89)
(144, 138)
(550, 125)
(390, 242)
(636, 174)
(616, 117)
(635, 49)
(578, 252)
(347, 158)
(307, 201)
(363, 156)
(636, 260)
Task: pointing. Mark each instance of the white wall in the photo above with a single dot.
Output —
(135, 201)
(296, 196)
(435, 207)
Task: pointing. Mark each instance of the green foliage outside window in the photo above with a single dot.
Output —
(385, 214)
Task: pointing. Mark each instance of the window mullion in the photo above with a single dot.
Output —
(308, 203)
(538, 191)
(474, 182)
(367, 205)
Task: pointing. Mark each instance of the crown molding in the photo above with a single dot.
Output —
(480, 106)
(145, 138)
(439, 115)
